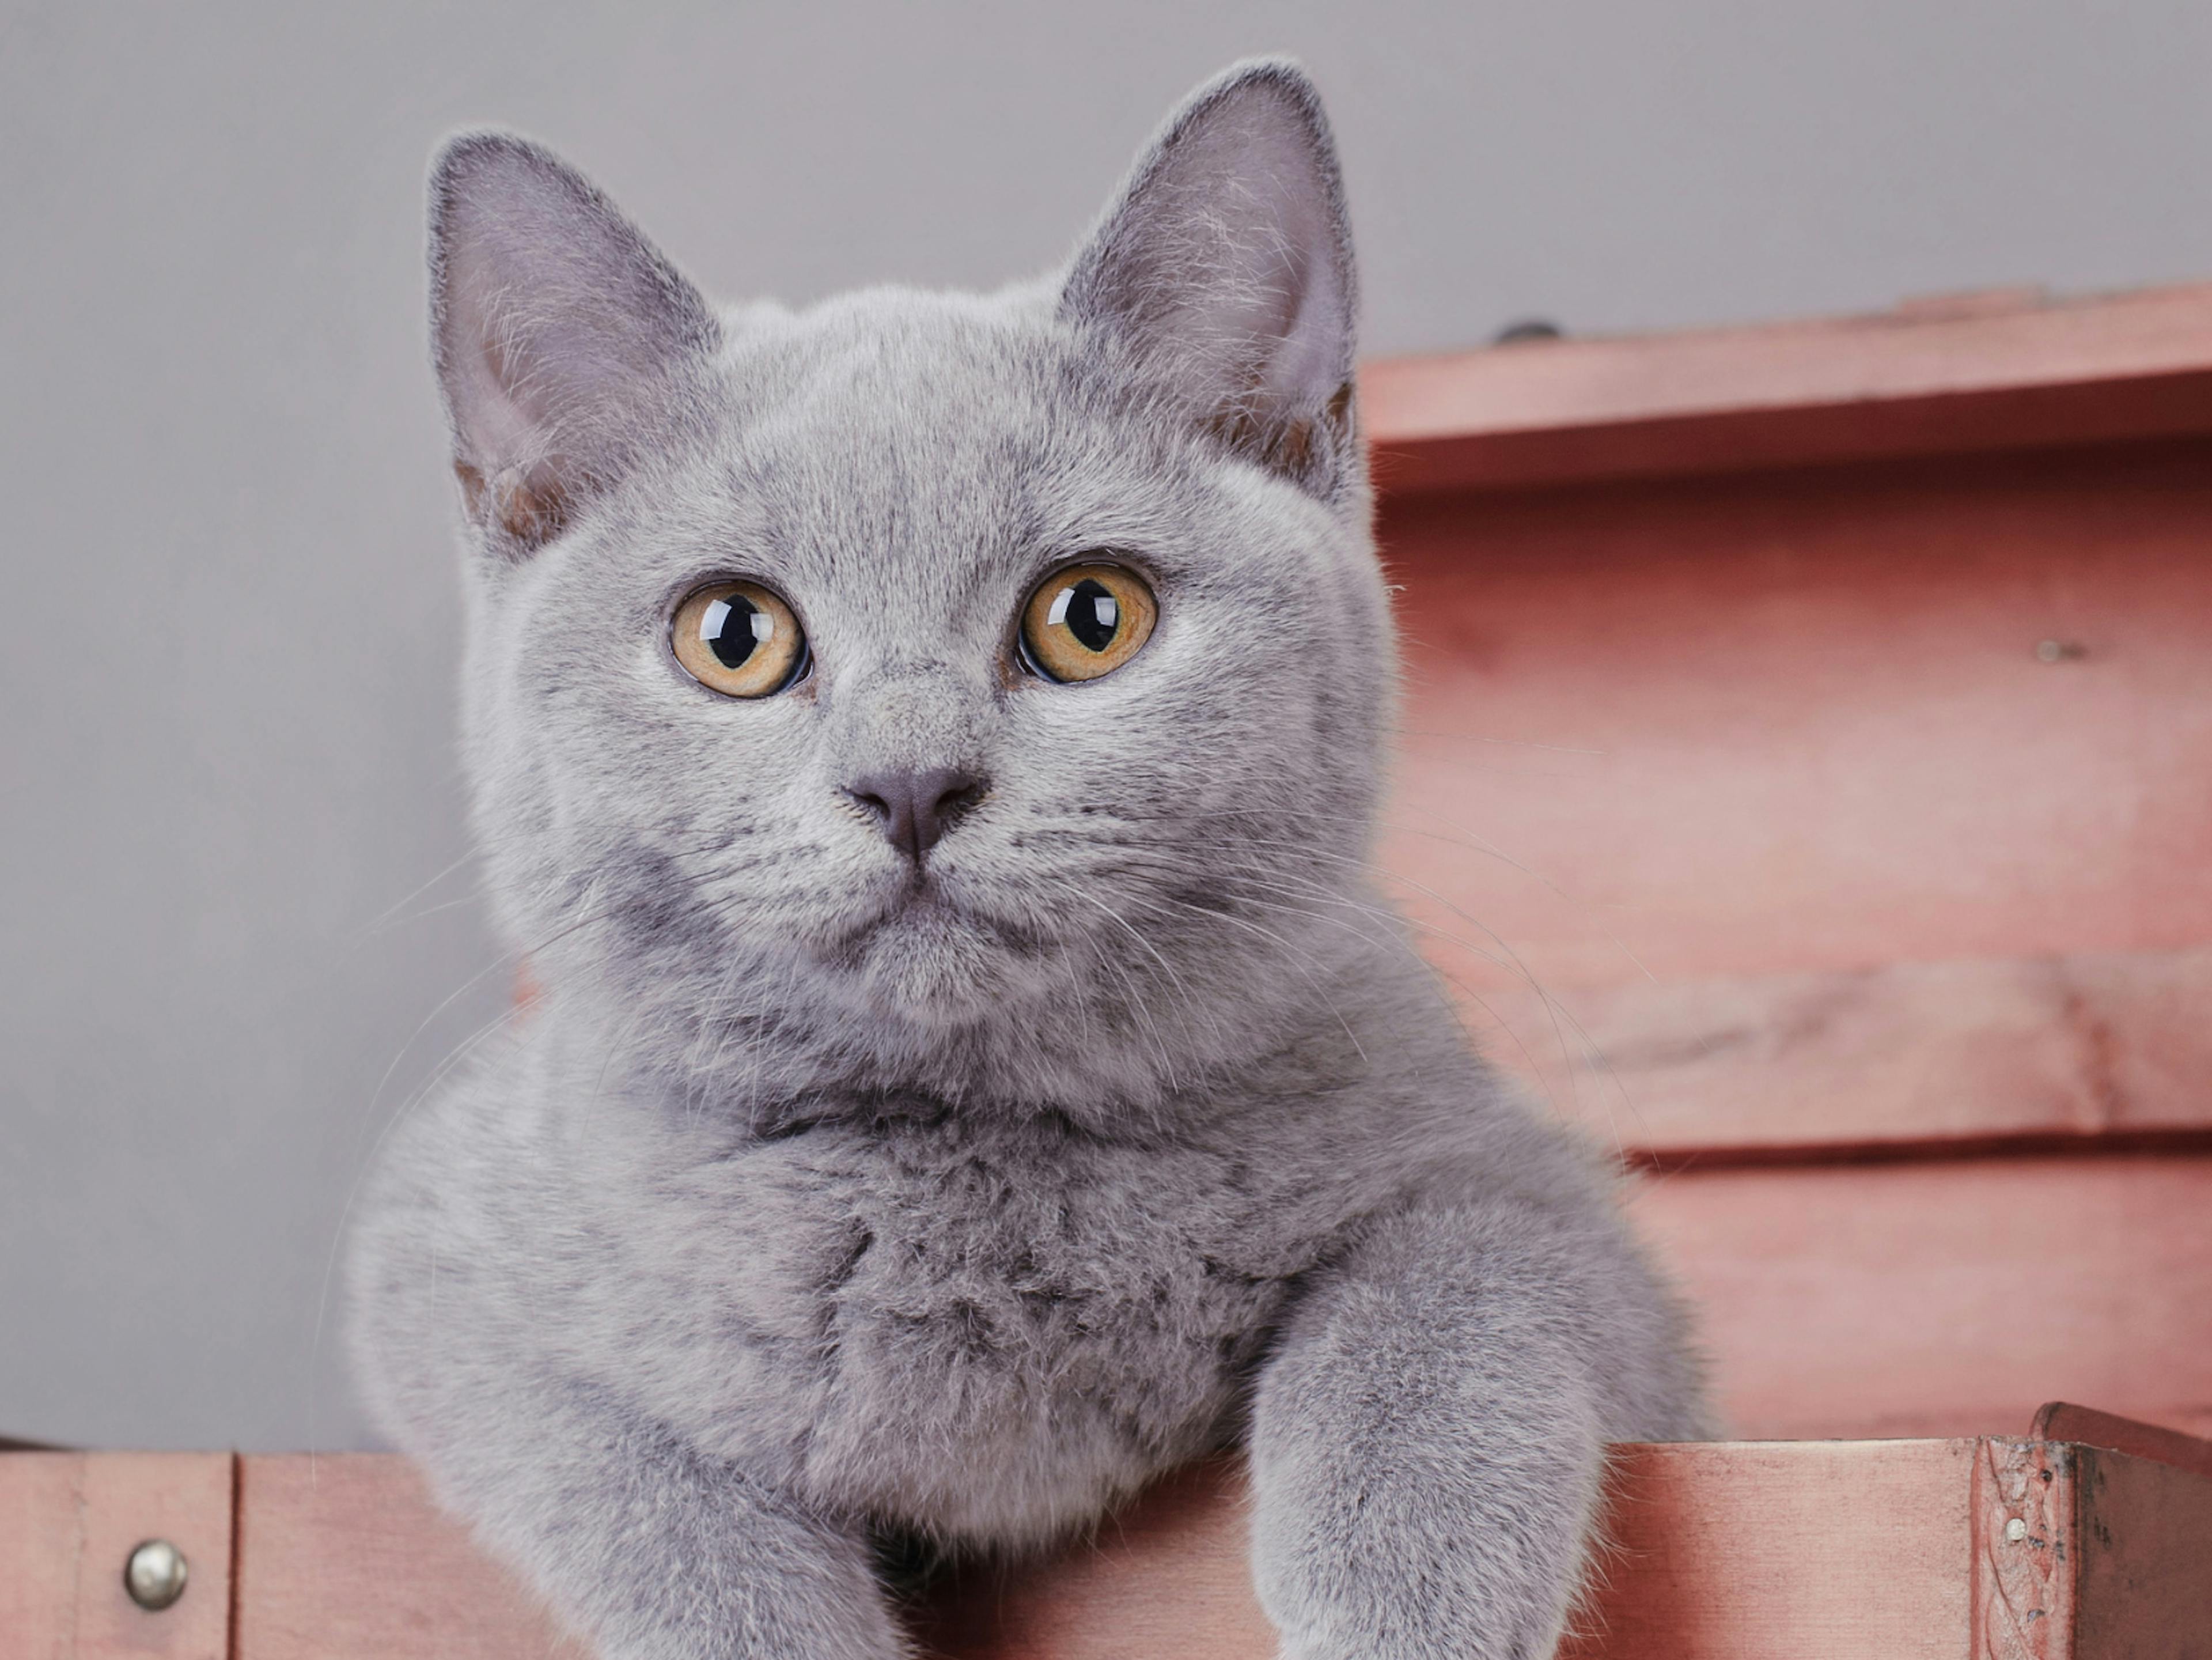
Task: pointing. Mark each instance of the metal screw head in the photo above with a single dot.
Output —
(2015, 1530)
(155, 1576)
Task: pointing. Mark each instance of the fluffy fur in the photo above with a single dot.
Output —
(823, 1196)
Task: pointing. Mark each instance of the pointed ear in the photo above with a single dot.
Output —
(1225, 265)
(561, 336)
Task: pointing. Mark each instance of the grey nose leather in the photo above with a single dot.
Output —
(917, 808)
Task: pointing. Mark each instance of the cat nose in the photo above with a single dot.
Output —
(916, 808)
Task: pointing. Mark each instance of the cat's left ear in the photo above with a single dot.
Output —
(565, 341)
(1225, 267)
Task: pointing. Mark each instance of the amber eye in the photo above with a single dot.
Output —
(738, 639)
(1087, 621)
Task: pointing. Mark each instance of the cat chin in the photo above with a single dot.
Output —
(929, 965)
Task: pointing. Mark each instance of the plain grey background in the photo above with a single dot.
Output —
(238, 923)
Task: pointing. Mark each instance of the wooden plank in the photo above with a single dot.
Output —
(2081, 1050)
(1995, 1549)
(1800, 725)
(1826, 1550)
(1748, 1550)
(1939, 1298)
(1886, 1550)
(1822, 1551)
(69, 1522)
(40, 1545)
(2061, 1421)
(2143, 1587)
(1710, 1553)
(1921, 380)
(1168, 1579)
(343, 1557)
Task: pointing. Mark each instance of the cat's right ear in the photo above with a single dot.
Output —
(1225, 269)
(563, 337)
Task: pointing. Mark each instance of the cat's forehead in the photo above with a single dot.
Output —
(942, 429)
(891, 384)
(905, 344)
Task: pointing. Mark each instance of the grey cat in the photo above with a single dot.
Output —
(928, 747)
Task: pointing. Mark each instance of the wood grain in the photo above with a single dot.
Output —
(1708, 1553)
(2082, 1553)
(2143, 1587)
(2026, 1547)
(2051, 1052)
(1838, 1549)
(1986, 372)
(1798, 724)
(2061, 1421)
(1183, 1542)
(39, 1546)
(1941, 1298)
(1889, 1550)
(344, 1557)
(1822, 1552)
(69, 1522)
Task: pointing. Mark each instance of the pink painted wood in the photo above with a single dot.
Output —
(1960, 1549)
(1798, 724)
(2056, 1053)
(2061, 1421)
(69, 1522)
(1935, 1299)
(344, 1558)
(1729, 1552)
(1967, 372)
(1713, 1553)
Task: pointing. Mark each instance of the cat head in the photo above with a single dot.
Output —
(976, 694)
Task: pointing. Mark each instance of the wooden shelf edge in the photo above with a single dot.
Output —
(1828, 1549)
(1927, 379)
(70, 1521)
(2061, 1421)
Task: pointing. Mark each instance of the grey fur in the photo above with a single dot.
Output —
(806, 1205)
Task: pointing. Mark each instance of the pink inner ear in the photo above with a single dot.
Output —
(499, 432)
(1227, 264)
(1314, 355)
(560, 331)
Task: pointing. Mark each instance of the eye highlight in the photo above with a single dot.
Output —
(1087, 621)
(738, 639)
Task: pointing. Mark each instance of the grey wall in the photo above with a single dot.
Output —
(236, 935)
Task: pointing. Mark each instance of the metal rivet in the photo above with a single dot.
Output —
(2060, 651)
(2015, 1530)
(155, 1576)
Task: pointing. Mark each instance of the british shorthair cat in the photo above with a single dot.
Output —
(928, 747)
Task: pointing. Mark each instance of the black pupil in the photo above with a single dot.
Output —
(728, 629)
(1094, 616)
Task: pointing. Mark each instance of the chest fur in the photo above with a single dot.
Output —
(981, 1336)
